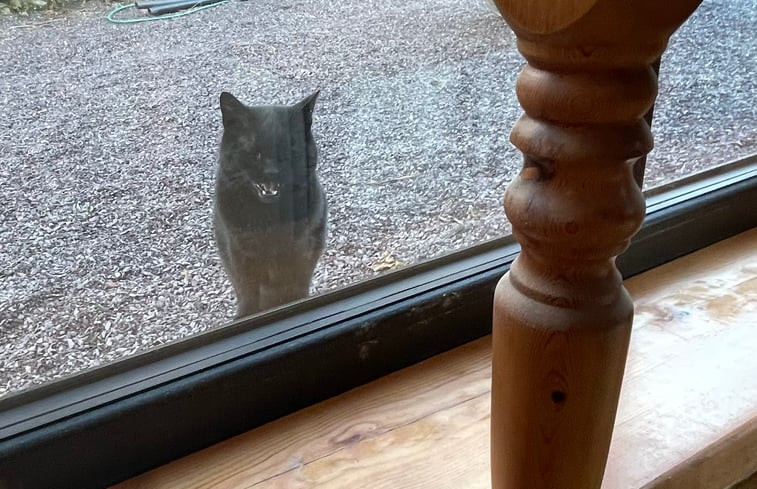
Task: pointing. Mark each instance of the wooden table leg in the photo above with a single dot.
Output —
(562, 317)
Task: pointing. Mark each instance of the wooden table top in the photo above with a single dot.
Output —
(687, 416)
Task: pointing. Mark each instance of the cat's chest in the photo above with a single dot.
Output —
(281, 243)
(247, 219)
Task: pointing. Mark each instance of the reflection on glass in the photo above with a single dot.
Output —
(109, 146)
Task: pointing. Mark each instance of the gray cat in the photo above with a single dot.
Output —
(270, 210)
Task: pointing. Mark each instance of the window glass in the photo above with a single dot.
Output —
(705, 114)
(135, 194)
(112, 160)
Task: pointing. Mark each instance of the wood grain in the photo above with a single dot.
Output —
(749, 483)
(321, 439)
(562, 318)
(690, 380)
(689, 390)
(732, 457)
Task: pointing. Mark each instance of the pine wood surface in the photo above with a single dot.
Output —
(562, 319)
(690, 388)
(750, 483)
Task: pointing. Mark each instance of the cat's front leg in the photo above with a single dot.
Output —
(248, 304)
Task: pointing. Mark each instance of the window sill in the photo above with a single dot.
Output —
(106, 425)
(687, 416)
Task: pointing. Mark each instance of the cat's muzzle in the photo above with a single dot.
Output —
(267, 191)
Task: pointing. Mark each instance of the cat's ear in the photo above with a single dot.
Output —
(231, 109)
(306, 106)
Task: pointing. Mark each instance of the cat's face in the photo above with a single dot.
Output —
(268, 147)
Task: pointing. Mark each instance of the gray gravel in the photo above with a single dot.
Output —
(108, 136)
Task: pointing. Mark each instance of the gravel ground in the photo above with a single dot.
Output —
(108, 136)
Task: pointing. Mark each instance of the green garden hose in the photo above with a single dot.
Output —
(111, 15)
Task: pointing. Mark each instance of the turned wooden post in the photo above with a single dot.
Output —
(562, 317)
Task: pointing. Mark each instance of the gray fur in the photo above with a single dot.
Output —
(270, 210)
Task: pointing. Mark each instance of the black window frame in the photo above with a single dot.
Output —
(113, 422)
